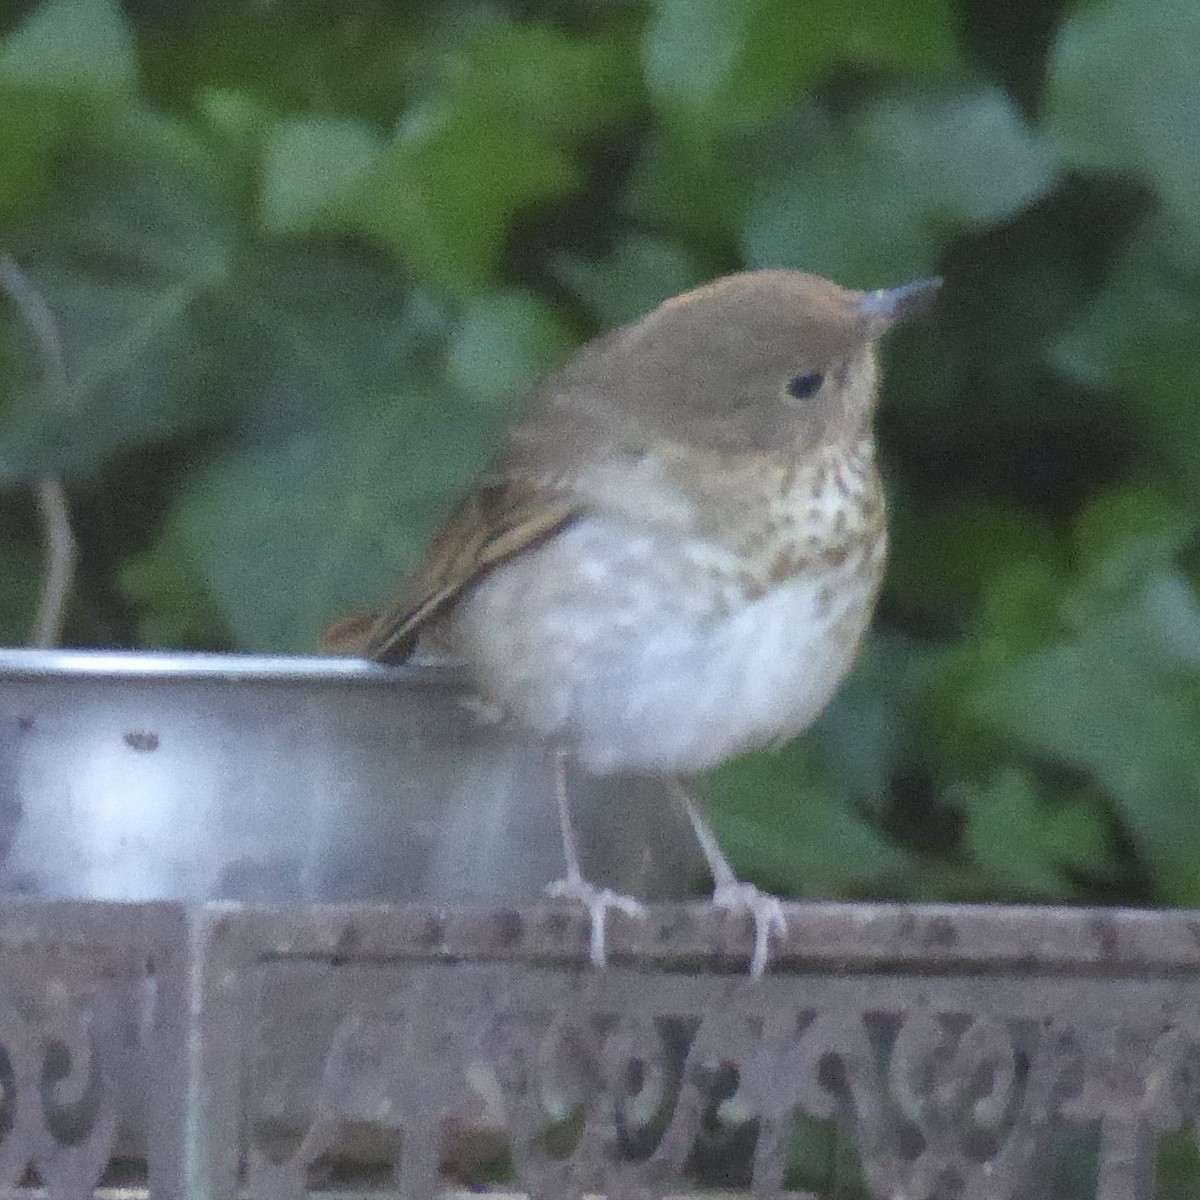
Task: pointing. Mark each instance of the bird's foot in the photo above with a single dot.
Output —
(766, 910)
(597, 901)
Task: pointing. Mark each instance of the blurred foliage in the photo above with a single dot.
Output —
(303, 255)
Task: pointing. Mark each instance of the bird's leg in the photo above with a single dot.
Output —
(595, 899)
(729, 892)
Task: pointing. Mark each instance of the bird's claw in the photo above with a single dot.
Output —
(597, 901)
(767, 912)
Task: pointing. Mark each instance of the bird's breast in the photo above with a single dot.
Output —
(651, 646)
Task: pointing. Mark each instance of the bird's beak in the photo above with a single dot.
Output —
(889, 306)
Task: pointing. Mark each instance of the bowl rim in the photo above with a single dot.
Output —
(188, 665)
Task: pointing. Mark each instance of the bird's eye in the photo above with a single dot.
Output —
(802, 387)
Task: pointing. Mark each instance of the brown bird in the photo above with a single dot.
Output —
(675, 554)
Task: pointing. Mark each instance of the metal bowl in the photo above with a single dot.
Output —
(131, 776)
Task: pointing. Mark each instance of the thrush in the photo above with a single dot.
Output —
(676, 552)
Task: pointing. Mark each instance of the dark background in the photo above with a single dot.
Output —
(302, 255)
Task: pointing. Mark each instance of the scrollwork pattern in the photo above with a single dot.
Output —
(938, 1098)
(62, 1061)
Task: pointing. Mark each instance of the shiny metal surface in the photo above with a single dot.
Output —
(130, 776)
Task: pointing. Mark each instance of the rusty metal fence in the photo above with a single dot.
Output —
(893, 1051)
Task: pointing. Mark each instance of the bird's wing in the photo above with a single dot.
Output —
(503, 516)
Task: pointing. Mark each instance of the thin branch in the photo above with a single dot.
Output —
(61, 556)
(61, 548)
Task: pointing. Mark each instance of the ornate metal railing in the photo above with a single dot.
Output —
(892, 1051)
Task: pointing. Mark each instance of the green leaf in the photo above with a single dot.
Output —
(1118, 697)
(570, 85)
(690, 188)
(301, 500)
(166, 329)
(445, 192)
(865, 732)
(640, 273)
(31, 129)
(691, 51)
(491, 137)
(796, 832)
(344, 60)
(876, 199)
(503, 343)
(1123, 92)
(1092, 704)
(134, 241)
(1138, 339)
(1021, 607)
(1018, 614)
(235, 116)
(329, 333)
(23, 557)
(310, 166)
(173, 605)
(1029, 846)
(720, 64)
(72, 45)
(372, 487)
(944, 556)
(1078, 835)
(1161, 611)
(1125, 536)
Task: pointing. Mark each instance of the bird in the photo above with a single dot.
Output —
(676, 551)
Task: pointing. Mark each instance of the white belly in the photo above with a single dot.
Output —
(631, 652)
